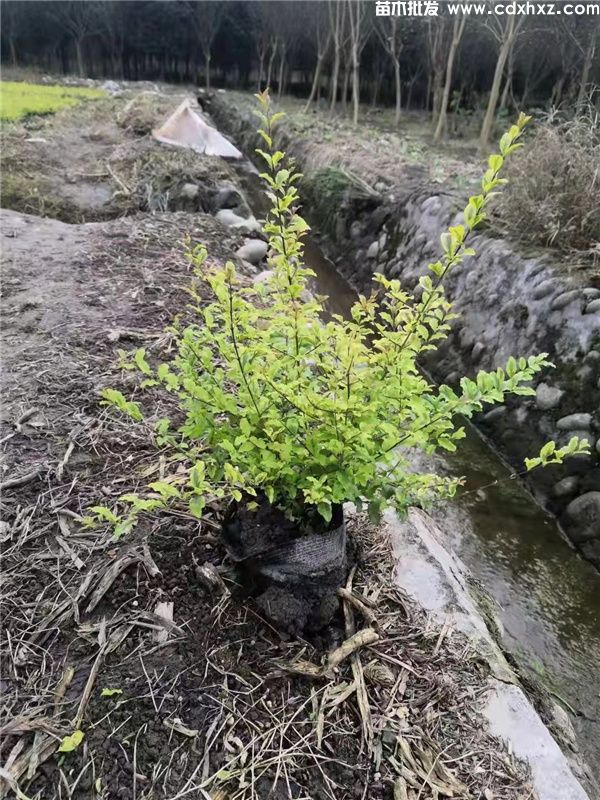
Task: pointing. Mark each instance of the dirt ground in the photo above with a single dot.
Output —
(210, 701)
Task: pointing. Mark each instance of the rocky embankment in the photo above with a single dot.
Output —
(509, 303)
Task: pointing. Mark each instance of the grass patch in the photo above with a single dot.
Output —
(326, 189)
(19, 99)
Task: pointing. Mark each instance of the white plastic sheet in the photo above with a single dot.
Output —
(186, 128)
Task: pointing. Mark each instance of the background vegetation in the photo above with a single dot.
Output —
(21, 99)
(334, 50)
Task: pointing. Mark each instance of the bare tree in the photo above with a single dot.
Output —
(337, 21)
(79, 20)
(389, 32)
(505, 30)
(206, 18)
(586, 42)
(437, 47)
(359, 33)
(14, 19)
(458, 28)
(262, 48)
(111, 27)
(282, 22)
(320, 32)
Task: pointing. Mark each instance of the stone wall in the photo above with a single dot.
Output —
(509, 304)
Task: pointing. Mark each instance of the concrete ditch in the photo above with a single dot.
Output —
(433, 577)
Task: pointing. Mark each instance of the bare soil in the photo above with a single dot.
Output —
(209, 701)
(90, 162)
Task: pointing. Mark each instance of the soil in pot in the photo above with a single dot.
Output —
(293, 568)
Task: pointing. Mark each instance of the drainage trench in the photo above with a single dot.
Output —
(548, 598)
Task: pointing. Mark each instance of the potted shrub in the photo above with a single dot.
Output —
(290, 415)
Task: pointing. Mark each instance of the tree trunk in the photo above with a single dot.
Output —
(270, 67)
(398, 83)
(355, 86)
(207, 70)
(281, 69)
(315, 83)
(508, 82)
(376, 87)
(335, 76)
(411, 86)
(79, 57)
(261, 71)
(459, 26)
(490, 114)
(13, 51)
(345, 83)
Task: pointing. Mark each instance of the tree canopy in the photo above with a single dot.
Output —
(338, 51)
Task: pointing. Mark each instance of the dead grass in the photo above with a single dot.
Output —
(376, 151)
(149, 176)
(553, 197)
(142, 113)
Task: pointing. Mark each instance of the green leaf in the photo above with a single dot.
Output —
(197, 505)
(164, 489)
(110, 692)
(71, 742)
(140, 361)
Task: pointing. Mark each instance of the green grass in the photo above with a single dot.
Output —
(19, 100)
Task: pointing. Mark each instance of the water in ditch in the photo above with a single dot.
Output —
(547, 597)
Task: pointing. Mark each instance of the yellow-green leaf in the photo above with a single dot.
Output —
(71, 742)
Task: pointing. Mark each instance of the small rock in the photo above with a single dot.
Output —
(471, 280)
(581, 518)
(566, 486)
(355, 230)
(574, 422)
(263, 276)
(561, 720)
(495, 414)
(431, 204)
(232, 220)
(209, 577)
(253, 250)
(565, 299)
(566, 436)
(547, 397)
(189, 191)
(593, 307)
(544, 288)
(477, 351)
(465, 338)
(373, 250)
(591, 294)
(229, 218)
(112, 87)
(228, 196)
